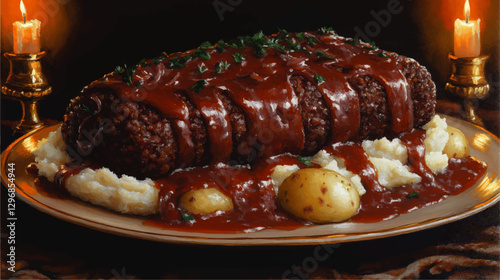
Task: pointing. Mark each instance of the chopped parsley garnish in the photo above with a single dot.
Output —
(258, 41)
(159, 59)
(219, 66)
(260, 51)
(319, 79)
(296, 47)
(205, 45)
(383, 55)
(220, 46)
(371, 47)
(282, 33)
(178, 62)
(258, 37)
(126, 72)
(199, 85)
(324, 30)
(414, 194)
(86, 108)
(204, 55)
(311, 41)
(186, 217)
(201, 53)
(304, 161)
(142, 62)
(239, 43)
(301, 36)
(201, 68)
(322, 55)
(283, 41)
(352, 42)
(274, 44)
(238, 57)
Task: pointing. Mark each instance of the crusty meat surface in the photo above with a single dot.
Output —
(131, 138)
(108, 125)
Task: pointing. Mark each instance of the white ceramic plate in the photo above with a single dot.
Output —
(485, 193)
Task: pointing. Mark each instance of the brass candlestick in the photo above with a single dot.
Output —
(26, 84)
(468, 81)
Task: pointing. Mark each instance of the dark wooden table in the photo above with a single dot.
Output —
(50, 248)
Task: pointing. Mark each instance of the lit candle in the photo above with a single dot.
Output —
(26, 34)
(467, 41)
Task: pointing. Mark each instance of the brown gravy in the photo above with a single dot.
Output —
(256, 86)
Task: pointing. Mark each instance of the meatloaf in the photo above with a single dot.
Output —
(254, 97)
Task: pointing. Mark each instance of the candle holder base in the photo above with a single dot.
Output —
(468, 82)
(26, 84)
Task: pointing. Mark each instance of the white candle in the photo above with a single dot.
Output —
(467, 37)
(26, 34)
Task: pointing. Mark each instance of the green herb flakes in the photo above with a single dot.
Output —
(86, 108)
(353, 42)
(274, 44)
(414, 194)
(239, 43)
(220, 66)
(238, 57)
(322, 55)
(201, 68)
(319, 79)
(371, 47)
(159, 59)
(304, 161)
(220, 46)
(199, 85)
(311, 41)
(126, 72)
(201, 53)
(187, 218)
(177, 62)
(301, 36)
(141, 63)
(324, 30)
(295, 47)
(282, 33)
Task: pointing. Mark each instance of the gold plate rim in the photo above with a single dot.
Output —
(244, 239)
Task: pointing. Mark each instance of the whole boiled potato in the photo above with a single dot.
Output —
(205, 201)
(319, 195)
(457, 145)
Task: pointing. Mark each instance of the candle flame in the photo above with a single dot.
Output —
(466, 10)
(23, 9)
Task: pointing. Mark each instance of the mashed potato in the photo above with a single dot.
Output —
(436, 138)
(280, 173)
(50, 154)
(383, 148)
(123, 194)
(337, 164)
(101, 187)
(390, 159)
(391, 173)
(129, 195)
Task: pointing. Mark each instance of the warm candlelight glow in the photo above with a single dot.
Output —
(26, 34)
(467, 41)
(466, 10)
(23, 9)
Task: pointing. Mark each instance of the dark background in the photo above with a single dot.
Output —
(86, 39)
